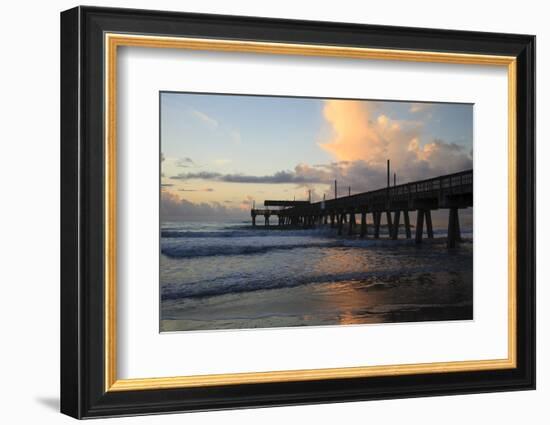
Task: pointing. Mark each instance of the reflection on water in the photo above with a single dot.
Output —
(233, 278)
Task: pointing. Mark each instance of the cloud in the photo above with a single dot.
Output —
(357, 174)
(419, 107)
(277, 178)
(185, 162)
(366, 138)
(204, 118)
(207, 189)
(443, 158)
(203, 175)
(175, 208)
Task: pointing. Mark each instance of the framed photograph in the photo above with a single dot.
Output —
(261, 212)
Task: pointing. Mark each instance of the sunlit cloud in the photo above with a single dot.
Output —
(361, 133)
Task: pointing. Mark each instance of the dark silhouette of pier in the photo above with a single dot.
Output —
(451, 191)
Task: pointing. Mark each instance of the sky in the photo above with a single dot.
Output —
(220, 153)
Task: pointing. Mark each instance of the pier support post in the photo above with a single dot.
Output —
(457, 228)
(363, 224)
(453, 230)
(396, 224)
(429, 227)
(407, 223)
(351, 223)
(332, 220)
(253, 220)
(390, 227)
(266, 220)
(340, 223)
(419, 225)
(376, 221)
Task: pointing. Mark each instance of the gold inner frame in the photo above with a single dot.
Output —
(113, 41)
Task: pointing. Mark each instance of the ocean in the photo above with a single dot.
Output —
(232, 276)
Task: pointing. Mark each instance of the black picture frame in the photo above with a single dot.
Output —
(83, 392)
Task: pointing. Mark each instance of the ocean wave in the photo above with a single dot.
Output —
(240, 232)
(190, 250)
(226, 285)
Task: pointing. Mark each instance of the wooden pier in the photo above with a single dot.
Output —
(452, 192)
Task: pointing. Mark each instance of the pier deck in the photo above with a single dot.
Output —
(451, 191)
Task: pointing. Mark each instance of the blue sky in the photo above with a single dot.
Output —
(243, 129)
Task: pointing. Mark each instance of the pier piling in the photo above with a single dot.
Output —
(396, 225)
(407, 224)
(390, 227)
(363, 232)
(376, 221)
(453, 230)
(351, 223)
(419, 225)
(429, 227)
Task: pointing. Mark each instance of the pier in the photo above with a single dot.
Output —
(452, 192)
